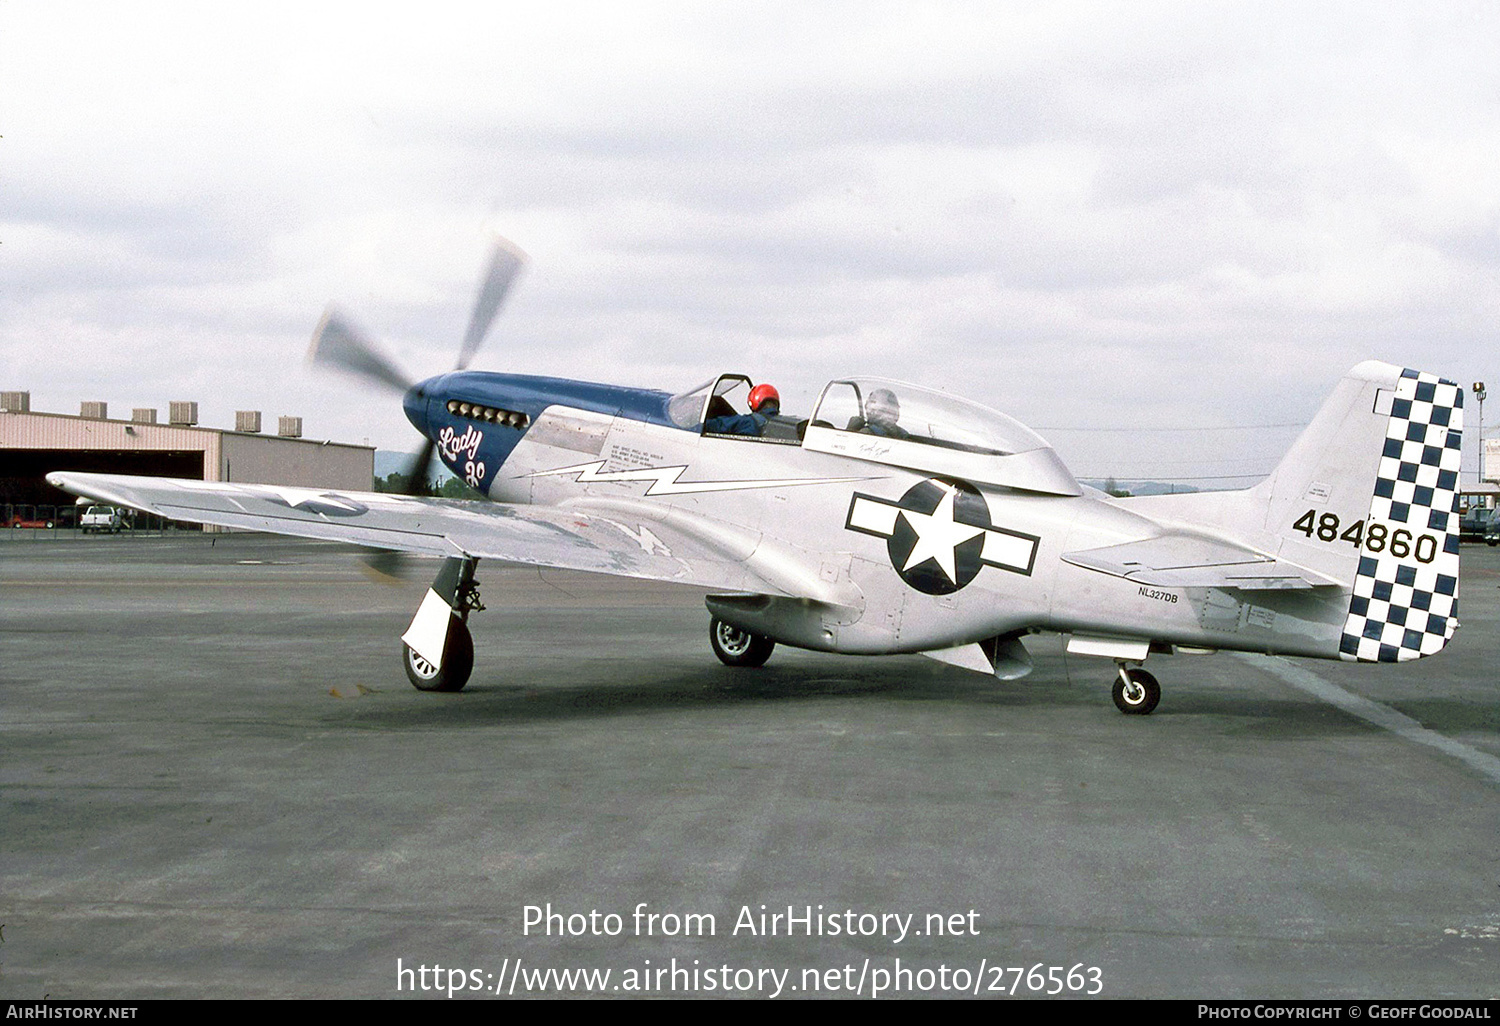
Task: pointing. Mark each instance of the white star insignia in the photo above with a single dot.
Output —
(297, 497)
(939, 535)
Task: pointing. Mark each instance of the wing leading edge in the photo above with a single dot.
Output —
(612, 538)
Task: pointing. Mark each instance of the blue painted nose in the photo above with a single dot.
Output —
(416, 402)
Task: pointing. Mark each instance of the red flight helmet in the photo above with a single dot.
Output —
(760, 393)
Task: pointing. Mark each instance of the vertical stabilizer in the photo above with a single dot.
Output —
(1369, 493)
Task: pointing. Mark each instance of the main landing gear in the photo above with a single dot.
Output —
(452, 673)
(735, 647)
(1136, 692)
(437, 649)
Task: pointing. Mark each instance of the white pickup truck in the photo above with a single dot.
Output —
(102, 518)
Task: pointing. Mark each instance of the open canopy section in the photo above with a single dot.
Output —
(726, 408)
(914, 427)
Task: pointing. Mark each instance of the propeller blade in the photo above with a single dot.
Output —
(418, 481)
(398, 565)
(339, 345)
(506, 262)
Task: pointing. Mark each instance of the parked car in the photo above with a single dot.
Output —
(102, 518)
(1492, 532)
(1473, 524)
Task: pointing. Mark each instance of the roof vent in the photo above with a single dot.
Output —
(183, 414)
(247, 421)
(143, 415)
(93, 411)
(15, 402)
(290, 427)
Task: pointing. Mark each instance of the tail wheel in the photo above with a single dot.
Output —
(1136, 692)
(735, 647)
(458, 662)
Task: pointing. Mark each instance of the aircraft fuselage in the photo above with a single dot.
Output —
(900, 560)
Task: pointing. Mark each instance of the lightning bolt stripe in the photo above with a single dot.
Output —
(664, 479)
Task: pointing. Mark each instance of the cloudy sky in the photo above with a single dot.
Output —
(1182, 219)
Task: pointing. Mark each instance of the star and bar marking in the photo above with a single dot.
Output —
(939, 535)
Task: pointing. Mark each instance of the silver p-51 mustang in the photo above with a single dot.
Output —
(891, 518)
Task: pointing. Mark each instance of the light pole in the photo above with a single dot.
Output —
(1479, 394)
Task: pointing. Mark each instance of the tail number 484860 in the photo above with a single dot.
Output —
(1377, 537)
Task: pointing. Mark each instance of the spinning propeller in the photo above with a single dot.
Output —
(338, 344)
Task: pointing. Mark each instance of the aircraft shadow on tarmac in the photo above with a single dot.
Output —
(1027, 705)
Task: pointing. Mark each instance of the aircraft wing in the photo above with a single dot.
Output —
(1189, 561)
(609, 538)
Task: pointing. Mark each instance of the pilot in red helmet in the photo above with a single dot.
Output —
(765, 400)
(765, 403)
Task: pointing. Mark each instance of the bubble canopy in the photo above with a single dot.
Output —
(911, 412)
(891, 422)
(910, 426)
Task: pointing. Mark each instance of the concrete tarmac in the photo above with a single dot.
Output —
(216, 782)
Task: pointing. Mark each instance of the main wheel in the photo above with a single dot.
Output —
(735, 647)
(1139, 696)
(458, 662)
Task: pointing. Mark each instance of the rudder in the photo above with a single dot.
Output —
(1405, 601)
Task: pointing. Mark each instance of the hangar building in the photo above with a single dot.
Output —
(35, 444)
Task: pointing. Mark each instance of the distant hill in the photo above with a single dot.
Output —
(388, 462)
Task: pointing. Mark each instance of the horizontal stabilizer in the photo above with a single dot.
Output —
(1192, 561)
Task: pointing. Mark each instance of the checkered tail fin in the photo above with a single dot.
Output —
(1369, 494)
(1405, 602)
